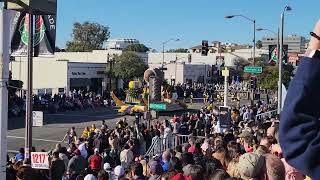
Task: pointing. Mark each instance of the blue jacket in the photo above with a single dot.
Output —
(300, 124)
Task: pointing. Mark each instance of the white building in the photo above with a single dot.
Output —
(183, 73)
(67, 71)
(120, 44)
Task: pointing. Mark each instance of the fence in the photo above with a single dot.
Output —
(266, 114)
(160, 144)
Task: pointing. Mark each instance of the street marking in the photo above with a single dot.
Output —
(46, 140)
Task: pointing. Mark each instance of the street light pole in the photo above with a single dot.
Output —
(287, 8)
(165, 42)
(29, 98)
(254, 42)
(4, 77)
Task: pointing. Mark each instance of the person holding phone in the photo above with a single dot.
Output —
(299, 122)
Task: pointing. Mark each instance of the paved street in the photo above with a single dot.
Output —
(57, 124)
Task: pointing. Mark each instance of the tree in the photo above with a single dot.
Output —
(87, 37)
(179, 50)
(240, 62)
(129, 66)
(268, 79)
(259, 44)
(136, 48)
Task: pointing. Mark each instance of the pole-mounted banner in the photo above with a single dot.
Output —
(43, 39)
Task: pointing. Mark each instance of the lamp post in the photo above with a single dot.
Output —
(286, 8)
(254, 32)
(163, 44)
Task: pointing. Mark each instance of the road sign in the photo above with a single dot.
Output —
(252, 69)
(37, 117)
(225, 72)
(158, 106)
(40, 160)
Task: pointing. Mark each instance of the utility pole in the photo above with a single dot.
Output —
(29, 100)
(4, 77)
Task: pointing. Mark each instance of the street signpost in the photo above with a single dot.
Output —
(252, 69)
(155, 106)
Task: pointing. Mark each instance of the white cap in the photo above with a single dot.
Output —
(96, 150)
(107, 167)
(119, 171)
(90, 177)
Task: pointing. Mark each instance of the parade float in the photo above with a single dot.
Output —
(138, 94)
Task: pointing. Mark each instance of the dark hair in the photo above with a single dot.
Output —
(21, 150)
(187, 158)
(103, 175)
(138, 169)
(196, 172)
(55, 154)
(179, 148)
(219, 174)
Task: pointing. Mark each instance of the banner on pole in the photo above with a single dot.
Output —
(273, 54)
(43, 38)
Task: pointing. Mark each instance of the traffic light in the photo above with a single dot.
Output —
(155, 88)
(205, 48)
(253, 82)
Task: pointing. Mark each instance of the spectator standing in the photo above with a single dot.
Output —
(57, 166)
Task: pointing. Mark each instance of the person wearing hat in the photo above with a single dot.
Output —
(250, 166)
(95, 161)
(119, 173)
(107, 168)
(77, 163)
(155, 170)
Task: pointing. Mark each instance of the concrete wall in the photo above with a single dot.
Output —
(47, 73)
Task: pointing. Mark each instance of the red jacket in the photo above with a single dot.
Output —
(95, 162)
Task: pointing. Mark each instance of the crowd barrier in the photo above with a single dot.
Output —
(160, 144)
(269, 114)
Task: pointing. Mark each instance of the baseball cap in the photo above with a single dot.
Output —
(107, 167)
(155, 167)
(250, 165)
(192, 149)
(119, 171)
(96, 150)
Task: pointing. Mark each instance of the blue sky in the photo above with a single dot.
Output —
(154, 21)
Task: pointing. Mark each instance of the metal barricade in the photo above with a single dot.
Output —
(262, 116)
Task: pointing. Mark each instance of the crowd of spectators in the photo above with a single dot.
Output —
(247, 149)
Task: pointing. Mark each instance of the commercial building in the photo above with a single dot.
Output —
(120, 44)
(176, 73)
(67, 71)
(296, 44)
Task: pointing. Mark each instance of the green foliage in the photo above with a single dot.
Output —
(179, 50)
(268, 79)
(259, 44)
(137, 48)
(87, 37)
(129, 66)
